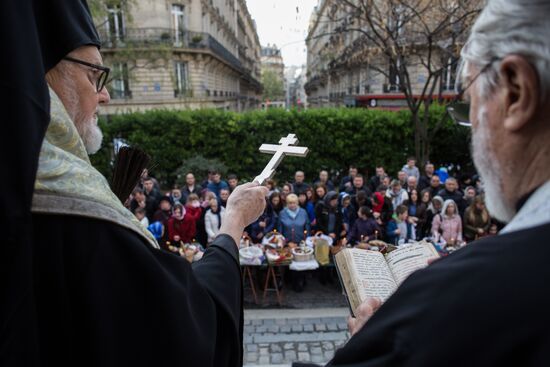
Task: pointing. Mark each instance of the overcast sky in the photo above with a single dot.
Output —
(284, 23)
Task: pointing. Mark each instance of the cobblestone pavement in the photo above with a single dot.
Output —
(278, 337)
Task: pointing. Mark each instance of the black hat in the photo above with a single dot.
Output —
(64, 26)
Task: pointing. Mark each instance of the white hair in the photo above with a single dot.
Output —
(505, 27)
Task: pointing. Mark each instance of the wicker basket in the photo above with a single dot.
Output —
(278, 257)
(303, 254)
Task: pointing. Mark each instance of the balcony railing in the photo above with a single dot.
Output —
(146, 37)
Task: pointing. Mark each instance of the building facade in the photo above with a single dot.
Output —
(347, 63)
(272, 60)
(181, 54)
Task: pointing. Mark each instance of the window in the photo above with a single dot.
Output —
(393, 82)
(115, 22)
(448, 78)
(120, 86)
(178, 23)
(182, 86)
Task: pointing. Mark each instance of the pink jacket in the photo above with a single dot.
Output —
(449, 228)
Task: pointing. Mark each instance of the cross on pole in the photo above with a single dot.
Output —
(279, 152)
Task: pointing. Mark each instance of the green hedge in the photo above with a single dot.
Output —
(335, 137)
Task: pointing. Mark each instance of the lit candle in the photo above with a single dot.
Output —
(376, 234)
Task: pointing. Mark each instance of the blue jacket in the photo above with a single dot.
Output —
(215, 188)
(254, 229)
(394, 238)
(293, 229)
(310, 209)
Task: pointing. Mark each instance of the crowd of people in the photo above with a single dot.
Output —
(412, 206)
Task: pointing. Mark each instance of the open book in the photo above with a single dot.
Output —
(366, 273)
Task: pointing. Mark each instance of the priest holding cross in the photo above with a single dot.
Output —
(83, 282)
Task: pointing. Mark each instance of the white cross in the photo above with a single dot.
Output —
(279, 152)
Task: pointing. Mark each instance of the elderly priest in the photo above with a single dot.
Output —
(488, 303)
(91, 287)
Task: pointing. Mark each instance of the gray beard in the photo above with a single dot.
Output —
(490, 170)
(91, 135)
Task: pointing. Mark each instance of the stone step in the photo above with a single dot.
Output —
(278, 337)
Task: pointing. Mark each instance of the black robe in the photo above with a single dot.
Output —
(104, 297)
(486, 305)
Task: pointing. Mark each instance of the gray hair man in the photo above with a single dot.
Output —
(484, 305)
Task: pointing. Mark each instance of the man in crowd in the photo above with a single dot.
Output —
(164, 211)
(402, 177)
(397, 194)
(411, 184)
(426, 178)
(152, 196)
(348, 180)
(176, 196)
(493, 288)
(358, 185)
(99, 285)
(376, 180)
(324, 180)
(410, 168)
(232, 181)
(299, 185)
(224, 196)
(435, 185)
(217, 183)
(190, 187)
(138, 200)
(452, 192)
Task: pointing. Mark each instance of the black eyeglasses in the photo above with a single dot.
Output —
(104, 72)
(460, 110)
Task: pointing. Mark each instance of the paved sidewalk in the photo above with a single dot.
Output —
(278, 337)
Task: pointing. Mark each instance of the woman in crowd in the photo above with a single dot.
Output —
(476, 219)
(213, 219)
(263, 225)
(293, 220)
(309, 194)
(286, 190)
(422, 214)
(447, 225)
(307, 206)
(294, 226)
(433, 209)
(413, 208)
(413, 204)
(272, 186)
(178, 227)
(319, 193)
(365, 227)
(275, 204)
(344, 205)
(469, 195)
(193, 212)
(329, 218)
(206, 198)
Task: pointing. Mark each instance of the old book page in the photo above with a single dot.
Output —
(408, 259)
(370, 275)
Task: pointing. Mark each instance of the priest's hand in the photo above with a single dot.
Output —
(244, 206)
(363, 313)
